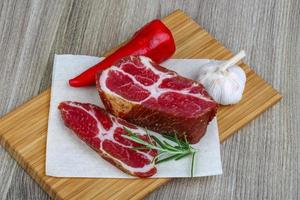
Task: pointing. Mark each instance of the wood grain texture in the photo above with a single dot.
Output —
(23, 131)
(260, 165)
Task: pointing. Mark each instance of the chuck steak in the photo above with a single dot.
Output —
(102, 132)
(146, 94)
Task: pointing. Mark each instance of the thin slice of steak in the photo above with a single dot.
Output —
(146, 94)
(102, 132)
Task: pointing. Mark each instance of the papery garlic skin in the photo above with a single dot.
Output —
(224, 86)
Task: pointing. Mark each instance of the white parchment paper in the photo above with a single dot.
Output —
(68, 156)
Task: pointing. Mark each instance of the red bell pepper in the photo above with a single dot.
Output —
(153, 40)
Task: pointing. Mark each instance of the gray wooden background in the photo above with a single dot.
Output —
(260, 162)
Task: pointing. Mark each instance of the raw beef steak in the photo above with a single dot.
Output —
(102, 132)
(146, 94)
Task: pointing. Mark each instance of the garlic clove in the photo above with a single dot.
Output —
(232, 91)
(223, 82)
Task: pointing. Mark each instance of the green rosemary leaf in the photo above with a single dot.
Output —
(129, 131)
(166, 159)
(178, 141)
(193, 163)
(171, 152)
(157, 140)
(169, 138)
(183, 155)
(135, 139)
(169, 146)
(140, 141)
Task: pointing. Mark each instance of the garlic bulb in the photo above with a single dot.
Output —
(223, 80)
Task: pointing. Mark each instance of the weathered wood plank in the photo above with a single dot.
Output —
(259, 163)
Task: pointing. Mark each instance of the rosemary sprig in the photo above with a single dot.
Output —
(166, 151)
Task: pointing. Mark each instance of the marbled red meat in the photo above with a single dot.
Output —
(146, 94)
(103, 133)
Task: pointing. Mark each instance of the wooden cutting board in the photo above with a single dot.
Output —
(23, 131)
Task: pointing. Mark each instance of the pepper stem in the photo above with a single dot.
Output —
(232, 61)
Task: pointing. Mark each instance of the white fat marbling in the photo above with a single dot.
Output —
(68, 156)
